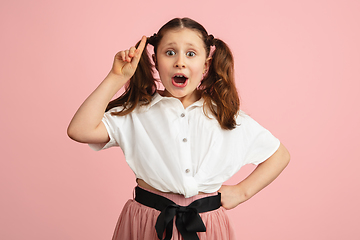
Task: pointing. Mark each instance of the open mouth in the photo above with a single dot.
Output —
(179, 80)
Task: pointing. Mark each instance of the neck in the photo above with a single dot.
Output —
(186, 100)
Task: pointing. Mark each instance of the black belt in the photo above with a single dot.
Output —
(188, 220)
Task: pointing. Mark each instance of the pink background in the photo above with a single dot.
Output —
(298, 73)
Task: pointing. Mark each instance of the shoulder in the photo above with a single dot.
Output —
(115, 110)
(241, 117)
(245, 122)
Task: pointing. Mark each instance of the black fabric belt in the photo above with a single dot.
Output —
(188, 220)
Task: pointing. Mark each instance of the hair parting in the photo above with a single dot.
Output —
(217, 87)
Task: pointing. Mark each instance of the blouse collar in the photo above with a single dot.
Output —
(157, 98)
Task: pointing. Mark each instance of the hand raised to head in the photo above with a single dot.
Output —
(126, 62)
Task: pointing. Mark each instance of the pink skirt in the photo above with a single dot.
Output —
(137, 221)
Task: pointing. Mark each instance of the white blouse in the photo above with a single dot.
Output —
(181, 150)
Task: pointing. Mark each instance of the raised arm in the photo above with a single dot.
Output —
(263, 175)
(86, 125)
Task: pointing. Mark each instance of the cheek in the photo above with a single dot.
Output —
(199, 70)
(162, 67)
(162, 72)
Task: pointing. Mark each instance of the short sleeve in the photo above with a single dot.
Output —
(110, 125)
(260, 143)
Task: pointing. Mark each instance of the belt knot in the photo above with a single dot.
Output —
(188, 222)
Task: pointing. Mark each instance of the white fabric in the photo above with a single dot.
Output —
(181, 150)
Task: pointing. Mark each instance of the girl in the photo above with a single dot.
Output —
(182, 142)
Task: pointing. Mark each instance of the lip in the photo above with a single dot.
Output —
(182, 85)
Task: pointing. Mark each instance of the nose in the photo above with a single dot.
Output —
(180, 62)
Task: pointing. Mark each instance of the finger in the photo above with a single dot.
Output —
(132, 52)
(139, 50)
(127, 57)
(122, 56)
(141, 46)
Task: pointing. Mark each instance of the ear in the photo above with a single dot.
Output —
(155, 62)
(207, 64)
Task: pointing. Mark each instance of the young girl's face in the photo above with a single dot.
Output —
(181, 61)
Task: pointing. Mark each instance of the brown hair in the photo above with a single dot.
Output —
(217, 87)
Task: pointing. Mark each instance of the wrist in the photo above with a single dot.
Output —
(119, 78)
(110, 86)
(242, 192)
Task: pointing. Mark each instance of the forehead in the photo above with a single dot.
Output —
(182, 36)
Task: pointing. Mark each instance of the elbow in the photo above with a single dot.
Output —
(281, 157)
(70, 132)
(288, 157)
(84, 135)
(285, 155)
(73, 133)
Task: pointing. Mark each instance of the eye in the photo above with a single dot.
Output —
(170, 53)
(190, 54)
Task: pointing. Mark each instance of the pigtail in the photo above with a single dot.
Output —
(139, 89)
(218, 86)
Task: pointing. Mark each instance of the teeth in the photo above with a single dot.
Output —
(179, 76)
